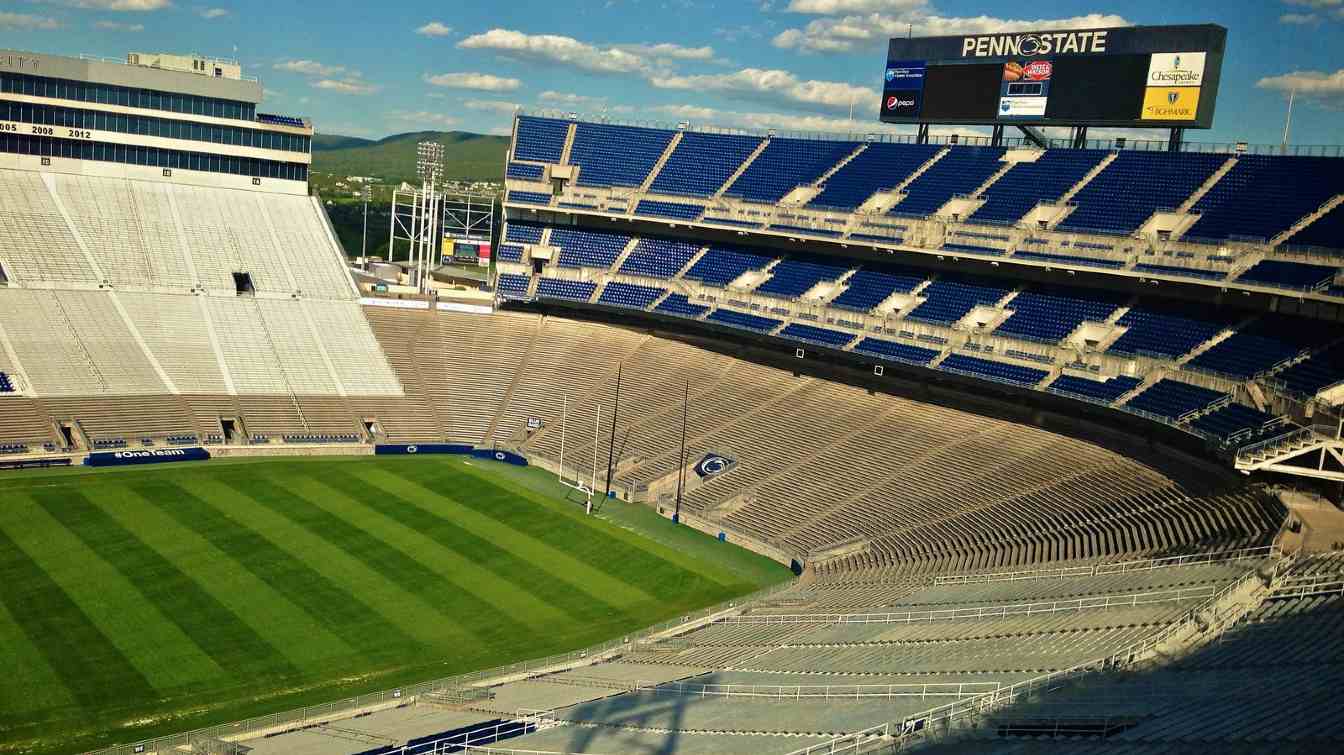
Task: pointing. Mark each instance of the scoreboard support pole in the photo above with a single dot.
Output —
(1176, 139)
(922, 137)
(996, 137)
(1079, 137)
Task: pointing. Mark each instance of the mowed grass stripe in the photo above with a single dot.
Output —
(31, 684)
(344, 615)
(451, 500)
(532, 583)
(93, 669)
(216, 630)
(574, 531)
(301, 637)
(353, 535)
(165, 656)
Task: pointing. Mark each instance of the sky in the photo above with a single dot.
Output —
(373, 69)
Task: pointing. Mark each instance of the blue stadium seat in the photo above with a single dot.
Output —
(702, 162)
(1050, 314)
(1295, 275)
(587, 248)
(524, 172)
(616, 155)
(821, 336)
(961, 171)
(1161, 333)
(1326, 231)
(678, 304)
(722, 265)
(949, 299)
(6, 383)
(1319, 371)
(529, 197)
(523, 233)
(628, 295)
(1264, 344)
(540, 139)
(880, 167)
(1104, 391)
(786, 164)
(1071, 259)
(675, 210)
(553, 288)
(744, 320)
(792, 278)
(896, 351)
(991, 370)
(1134, 186)
(512, 286)
(1173, 399)
(1028, 184)
(1263, 195)
(1238, 420)
(871, 286)
(658, 258)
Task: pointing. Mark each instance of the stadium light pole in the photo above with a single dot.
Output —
(364, 242)
(429, 168)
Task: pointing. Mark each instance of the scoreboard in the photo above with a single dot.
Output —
(1136, 76)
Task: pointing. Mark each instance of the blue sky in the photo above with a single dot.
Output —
(373, 69)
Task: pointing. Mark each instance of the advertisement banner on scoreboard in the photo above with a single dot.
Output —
(1176, 69)
(1025, 89)
(1170, 103)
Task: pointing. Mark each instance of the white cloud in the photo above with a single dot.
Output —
(115, 5)
(569, 98)
(484, 82)
(775, 86)
(210, 14)
(1299, 19)
(847, 33)
(759, 121)
(349, 85)
(27, 22)
(308, 68)
(553, 48)
(1317, 4)
(116, 26)
(1319, 86)
(434, 29)
(493, 106)
(668, 51)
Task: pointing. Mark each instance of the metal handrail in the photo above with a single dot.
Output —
(1238, 554)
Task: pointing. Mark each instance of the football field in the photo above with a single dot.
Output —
(150, 600)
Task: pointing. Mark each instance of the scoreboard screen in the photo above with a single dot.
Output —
(1138, 76)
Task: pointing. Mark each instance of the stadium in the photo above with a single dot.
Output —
(751, 442)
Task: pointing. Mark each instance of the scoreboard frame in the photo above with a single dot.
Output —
(1129, 77)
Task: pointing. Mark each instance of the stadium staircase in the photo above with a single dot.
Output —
(1208, 184)
(569, 143)
(732, 178)
(1277, 454)
(1302, 224)
(672, 145)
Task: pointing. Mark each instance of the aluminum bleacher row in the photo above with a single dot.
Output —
(906, 314)
(1241, 199)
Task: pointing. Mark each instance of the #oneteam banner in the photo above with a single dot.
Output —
(713, 464)
(146, 456)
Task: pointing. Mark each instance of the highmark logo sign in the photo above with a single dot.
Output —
(1031, 45)
(1170, 103)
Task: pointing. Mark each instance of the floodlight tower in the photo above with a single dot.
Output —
(364, 242)
(429, 168)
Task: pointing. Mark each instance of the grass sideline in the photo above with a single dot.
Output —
(141, 601)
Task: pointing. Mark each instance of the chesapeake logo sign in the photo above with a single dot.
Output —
(1176, 69)
(1031, 45)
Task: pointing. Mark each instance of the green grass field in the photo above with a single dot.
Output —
(144, 601)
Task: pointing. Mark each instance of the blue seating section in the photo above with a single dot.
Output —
(587, 248)
(510, 253)
(320, 438)
(1028, 184)
(523, 233)
(628, 295)
(1124, 195)
(996, 371)
(786, 164)
(678, 304)
(529, 197)
(540, 139)
(183, 440)
(616, 155)
(1052, 314)
(792, 278)
(972, 248)
(668, 209)
(1320, 371)
(1173, 399)
(744, 320)
(1326, 231)
(658, 258)
(960, 171)
(1157, 333)
(6, 383)
(1069, 258)
(880, 167)
(1261, 346)
(721, 265)
(948, 299)
(1187, 272)
(702, 162)
(104, 444)
(13, 448)
(1292, 275)
(1097, 390)
(280, 120)
(512, 286)
(895, 351)
(868, 288)
(525, 172)
(812, 334)
(553, 288)
(1263, 196)
(1232, 419)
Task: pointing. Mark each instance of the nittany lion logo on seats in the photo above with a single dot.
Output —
(713, 464)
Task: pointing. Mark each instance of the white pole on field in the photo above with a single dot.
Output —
(597, 436)
(564, 415)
